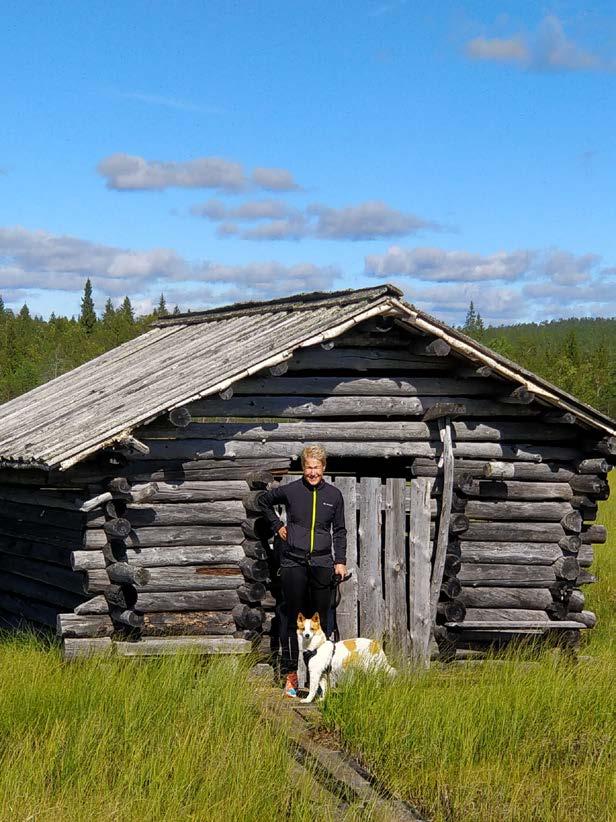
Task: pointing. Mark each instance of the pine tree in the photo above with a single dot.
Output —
(161, 310)
(87, 318)
(2, 309)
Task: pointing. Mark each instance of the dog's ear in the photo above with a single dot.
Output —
(316, 619)
(301, 619)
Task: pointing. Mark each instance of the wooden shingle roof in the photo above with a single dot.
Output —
(187, 357)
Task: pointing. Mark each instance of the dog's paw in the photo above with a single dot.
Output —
(306, 700)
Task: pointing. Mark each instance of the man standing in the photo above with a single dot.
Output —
(309, 557)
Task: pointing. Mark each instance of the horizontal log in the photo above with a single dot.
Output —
(178, 535)
(543, 472)
(514, 576)
(40, 571)
(86, 648)
(125, 617)
(570, 544)
(67, 501)
(590, 484)
(583, 503)
(162, 556)
(31, 589)
(186, 578)
(527, 511)
(593, 534)
(77, 626)
(361, 386)
(451, 588)
(567, 568)
(255, 549)
(163, 646)
(119, 486)
(514, 532)
(576, 601)
(511, 616)
(585, 578)
(147, 602)
(515, 490)
(187, 623)
(247, 617)
(30, 610)
(586, 556)
(45, 517)
(606, 446)
(497, 597)
(342, 358)
(117, 528)
(254, 570)
(593, 466)
(587, 618)
(122, 573)
(250, 501)
(511, 553)
(256, 528)
(195, 491)
(35, 550)
(305, 407)
(458, 524)
(61, 537)
(572, 522)
(453, 611)
(94, 605)
(204, 513)
(251, 592)
(180, 417)
(261, 480)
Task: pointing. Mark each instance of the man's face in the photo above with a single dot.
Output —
(313, 471)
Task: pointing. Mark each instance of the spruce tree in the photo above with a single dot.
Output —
(108, 313)
(126, 311)
(471, 320)
(176, 310)
(161, 310)
(87, 318)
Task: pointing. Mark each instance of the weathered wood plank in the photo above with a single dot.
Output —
(189, 491)
(188, 623)
(183, 644)
(186, 601)
(27, 609)
(395, 564)
(516, 616)
(497, 597)
(178, 535)
(515, 490)
(419, 571)
(78, 626)
(186, 578)
(31, 589)
(40, 571)
(513, 532)
(513, 576)
(511, 553)
(526, 511)
(442, 538)
(372, 609)
(86, 648)
(543, 472)
(361, 359)
(163, 556)
(199, 513)
(360, 386)
(346, 613)
(306, 407)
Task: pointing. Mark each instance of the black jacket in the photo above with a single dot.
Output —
(313, 514)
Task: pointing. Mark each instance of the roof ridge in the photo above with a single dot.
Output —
(296, 302)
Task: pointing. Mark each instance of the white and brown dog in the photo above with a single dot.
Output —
(333, 658)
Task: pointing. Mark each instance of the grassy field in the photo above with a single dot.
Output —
(519, 740)
(169, 739)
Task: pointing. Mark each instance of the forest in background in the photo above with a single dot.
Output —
(576, 354)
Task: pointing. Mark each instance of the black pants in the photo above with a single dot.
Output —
(305, 589)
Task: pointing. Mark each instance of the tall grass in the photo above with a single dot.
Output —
(517, 739)
(167, 739)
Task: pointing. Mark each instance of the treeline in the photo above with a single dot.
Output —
(576, 354)
(34, 350)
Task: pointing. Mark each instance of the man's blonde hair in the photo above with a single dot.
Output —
(315, 452)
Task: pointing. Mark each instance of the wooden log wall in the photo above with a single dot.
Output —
(187, 555)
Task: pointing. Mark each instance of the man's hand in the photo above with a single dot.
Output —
(282, 533)
(340, 569)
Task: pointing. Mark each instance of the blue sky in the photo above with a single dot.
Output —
(218, 151)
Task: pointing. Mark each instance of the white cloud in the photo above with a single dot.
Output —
(442, 266)
(365, 221)
(38, 260)
(274, 179)
(546, 49)
(450, 302)
(126, 172)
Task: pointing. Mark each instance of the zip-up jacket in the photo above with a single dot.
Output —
(314, 514)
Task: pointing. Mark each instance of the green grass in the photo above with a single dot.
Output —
(167, 739)
(518, 739)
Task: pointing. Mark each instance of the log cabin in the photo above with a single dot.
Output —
(129, 514)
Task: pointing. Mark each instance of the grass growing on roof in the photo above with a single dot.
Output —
(517, 739)
(165, 739)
